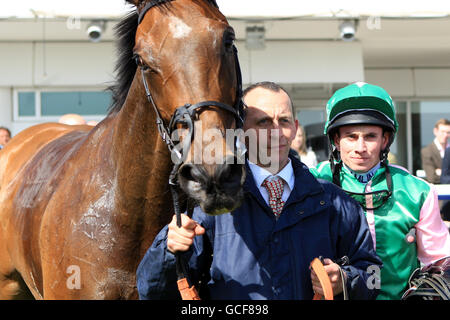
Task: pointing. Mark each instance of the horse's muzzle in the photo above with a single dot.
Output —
(217, 190)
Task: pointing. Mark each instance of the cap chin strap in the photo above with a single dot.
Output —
(336, 161)
(336, 168)
(335, 164)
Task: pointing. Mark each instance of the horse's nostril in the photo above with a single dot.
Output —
(192, 172)
(227, 172)
(186, 172)
(229, 176)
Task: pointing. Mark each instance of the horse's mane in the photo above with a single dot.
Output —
(125, 67)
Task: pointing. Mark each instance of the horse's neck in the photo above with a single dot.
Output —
(143, 167)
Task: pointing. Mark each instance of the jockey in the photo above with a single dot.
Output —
(402, 210)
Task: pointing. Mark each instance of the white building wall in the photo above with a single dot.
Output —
(74, 64)
(33, 65)
(16, 64)
(6, 107)
(412, 82)
(302, 62)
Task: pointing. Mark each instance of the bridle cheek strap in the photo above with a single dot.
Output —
(186, 114)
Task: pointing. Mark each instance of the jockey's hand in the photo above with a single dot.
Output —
(180, 239)
(334, 274)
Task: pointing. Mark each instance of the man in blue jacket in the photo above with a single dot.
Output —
(263, 249)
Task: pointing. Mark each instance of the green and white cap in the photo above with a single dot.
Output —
(361, 103)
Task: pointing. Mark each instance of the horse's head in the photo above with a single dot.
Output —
(190, 72)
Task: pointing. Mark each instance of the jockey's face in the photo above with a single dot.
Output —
(360, 146)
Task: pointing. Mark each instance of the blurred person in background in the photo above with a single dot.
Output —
(307, 155)
(5, 136)
(72, 119)
(433, 153)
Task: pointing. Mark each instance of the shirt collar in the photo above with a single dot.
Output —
(363, 177)
(439, 147)
(260, 174)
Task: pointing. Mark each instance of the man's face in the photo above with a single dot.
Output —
(442, 133)
(269, 113)
(360, 146)
(4, 137)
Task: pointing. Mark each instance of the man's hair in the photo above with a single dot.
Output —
(6, 129)
(442, 121)
(269, 85)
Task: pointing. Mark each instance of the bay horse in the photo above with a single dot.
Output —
(79, 207)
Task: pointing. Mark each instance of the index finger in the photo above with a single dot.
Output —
(186, 222)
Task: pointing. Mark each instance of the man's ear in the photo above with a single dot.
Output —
(436, 131)
(386, 136)
(336, 140)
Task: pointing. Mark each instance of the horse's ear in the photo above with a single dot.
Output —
(135, 2)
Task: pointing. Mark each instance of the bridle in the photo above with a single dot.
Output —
(186, 114)
(430, 282)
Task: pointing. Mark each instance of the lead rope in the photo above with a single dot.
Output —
(186, 289)
(344, 284)
(324, 280)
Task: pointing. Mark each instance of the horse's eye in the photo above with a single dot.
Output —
(140, 62)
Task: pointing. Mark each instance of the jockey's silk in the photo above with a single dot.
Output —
(413, 204)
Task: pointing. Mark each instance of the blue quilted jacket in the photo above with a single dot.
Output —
(248, 254)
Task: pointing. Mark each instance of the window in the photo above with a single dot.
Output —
(398, 149)
(49, 105)
(425, 114)
(313, 120)
(84, 103)
(27, 104)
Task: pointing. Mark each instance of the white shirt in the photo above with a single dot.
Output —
(439, 147)
(260, 174)
(310, 158)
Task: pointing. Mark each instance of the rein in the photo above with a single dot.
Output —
(185, 114)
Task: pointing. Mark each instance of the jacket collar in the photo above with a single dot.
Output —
(307, 187)
(260, 174)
